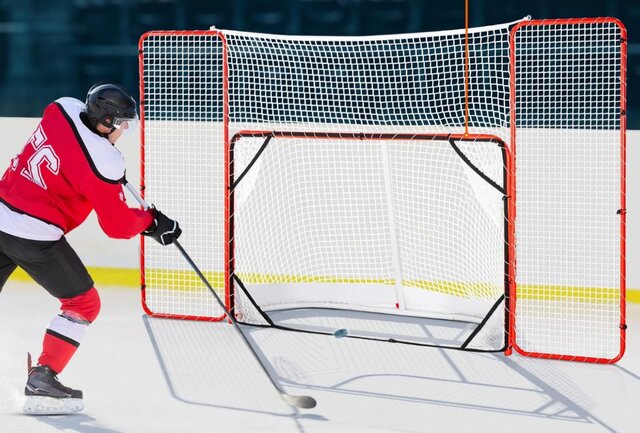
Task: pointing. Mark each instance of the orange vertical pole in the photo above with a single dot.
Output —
(466, 67)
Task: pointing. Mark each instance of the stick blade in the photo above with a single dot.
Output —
(300, 401)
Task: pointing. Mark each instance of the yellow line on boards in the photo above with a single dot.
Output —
(127, 277)
(184, 280)
(554, 293)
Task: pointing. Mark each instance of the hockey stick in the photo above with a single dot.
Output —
(301, 401)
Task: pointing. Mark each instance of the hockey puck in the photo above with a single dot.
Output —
(340, 333)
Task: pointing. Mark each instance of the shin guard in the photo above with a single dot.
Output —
(66, 331)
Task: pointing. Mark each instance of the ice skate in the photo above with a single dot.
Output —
(47, 396)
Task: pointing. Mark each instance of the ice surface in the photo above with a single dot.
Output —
(141, 374)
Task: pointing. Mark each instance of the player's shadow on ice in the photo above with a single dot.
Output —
(73, 423)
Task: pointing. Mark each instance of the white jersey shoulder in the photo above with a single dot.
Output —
(106, 158)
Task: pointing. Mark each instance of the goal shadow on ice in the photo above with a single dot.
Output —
(206, 364)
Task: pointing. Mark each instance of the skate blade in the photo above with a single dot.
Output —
(36, 405)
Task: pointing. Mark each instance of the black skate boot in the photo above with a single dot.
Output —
(46, 395)
(43, 382)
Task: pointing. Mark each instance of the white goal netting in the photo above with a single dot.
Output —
(183, 146)
(569, 102)
(563, 84)
(404, 225)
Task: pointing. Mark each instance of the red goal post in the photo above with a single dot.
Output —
(568, 128)
(157, 280)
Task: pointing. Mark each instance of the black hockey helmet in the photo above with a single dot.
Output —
(109, 105)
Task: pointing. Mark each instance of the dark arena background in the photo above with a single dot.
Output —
(61, 47)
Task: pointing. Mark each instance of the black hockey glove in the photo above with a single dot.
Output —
(163, 229)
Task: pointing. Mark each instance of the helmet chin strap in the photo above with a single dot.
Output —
(105, 134)
(106, 125)
(92, 124)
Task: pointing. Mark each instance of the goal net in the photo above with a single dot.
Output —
(327, 183)
(337, 230)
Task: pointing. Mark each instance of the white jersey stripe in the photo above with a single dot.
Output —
(27, 227)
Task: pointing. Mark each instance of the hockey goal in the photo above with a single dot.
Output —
(353, 230)
(329, 183)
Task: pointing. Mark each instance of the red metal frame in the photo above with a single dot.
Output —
(623, 129)
(225, 116)
(508, 188)
(511, 180)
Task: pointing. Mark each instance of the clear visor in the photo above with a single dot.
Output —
(129, 126)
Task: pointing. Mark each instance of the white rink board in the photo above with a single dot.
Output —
(98, 250)
(564, 236)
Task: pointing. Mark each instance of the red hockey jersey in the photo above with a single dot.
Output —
(65, 171)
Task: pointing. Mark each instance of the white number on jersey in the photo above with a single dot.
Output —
(44, 156)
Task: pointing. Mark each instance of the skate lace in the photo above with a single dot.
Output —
(58, 383)
(54, 378)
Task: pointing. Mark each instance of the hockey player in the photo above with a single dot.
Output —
(68, 168)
